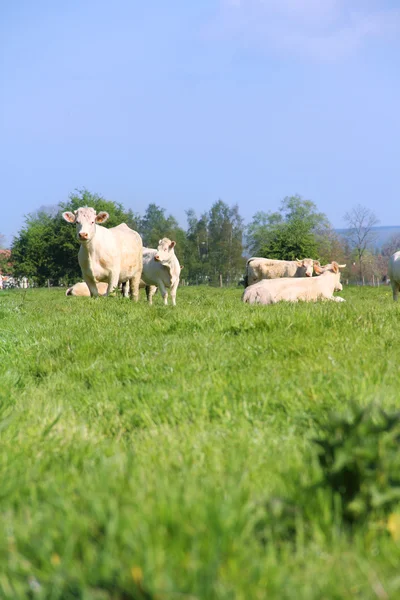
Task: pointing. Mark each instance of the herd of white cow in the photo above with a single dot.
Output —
(115, 257)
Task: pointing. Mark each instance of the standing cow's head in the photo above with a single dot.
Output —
(306, 265)
(85, 219)
(165, 250)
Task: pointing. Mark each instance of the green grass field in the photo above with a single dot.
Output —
(141, 447)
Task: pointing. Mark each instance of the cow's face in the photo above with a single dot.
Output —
(338, 286)
(164, 250)
(85, 219)
(306, 265)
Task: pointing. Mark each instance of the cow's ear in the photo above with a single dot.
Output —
(102, 217)
(69, 216)
(335, 267)
(172, 244)
(182, 266)
(299, 262)
(318, 269)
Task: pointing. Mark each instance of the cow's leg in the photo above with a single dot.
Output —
(134, 283)
(395, 290)
(150, 291)
(125, 289)
(112, 282)
(164, 292)
(90, 282)
(174, 287)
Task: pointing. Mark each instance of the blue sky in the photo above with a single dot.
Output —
(183, 102)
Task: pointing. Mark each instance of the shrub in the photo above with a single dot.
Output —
(360, 460)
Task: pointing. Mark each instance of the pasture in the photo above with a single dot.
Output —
(141, 447)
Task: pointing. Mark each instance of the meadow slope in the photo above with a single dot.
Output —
(140, 446)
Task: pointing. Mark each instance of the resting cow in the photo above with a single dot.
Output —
(112, 255)
(394, 274)
(271, 291)
(268, 268)
(81, 289)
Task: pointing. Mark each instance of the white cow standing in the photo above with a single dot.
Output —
(271, 291)
(161, 269)
(394, 274)
(113, 255)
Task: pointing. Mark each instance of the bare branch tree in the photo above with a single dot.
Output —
(361, 236)
(392, 245)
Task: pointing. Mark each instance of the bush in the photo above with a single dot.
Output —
(360, 460)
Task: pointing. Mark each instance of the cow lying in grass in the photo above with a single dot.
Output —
(271, 291)
(268, 268)
(106, 255)
(81, 289)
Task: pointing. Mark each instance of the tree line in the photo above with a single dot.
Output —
(214, 245)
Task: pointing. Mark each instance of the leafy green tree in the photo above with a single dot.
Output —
(196, 259)
(154, 225)
(225, 242)
(290, 233)
(46, 247)
(31, 251)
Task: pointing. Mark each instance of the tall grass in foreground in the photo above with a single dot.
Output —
(152, 452)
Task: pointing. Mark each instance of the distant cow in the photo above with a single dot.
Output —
(394, 274)
(268, 268)
(112, 255)
(271, 291)
(161, 269)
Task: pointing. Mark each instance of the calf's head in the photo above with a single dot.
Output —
(306, 266)
(85, 219)
(165, 249)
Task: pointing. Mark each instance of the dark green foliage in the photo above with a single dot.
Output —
(293, 234)
(298, 230)
(46, 247)
(360, 458)
(154, 225)
(215, 245)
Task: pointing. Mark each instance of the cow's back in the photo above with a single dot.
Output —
(130, 246)
(266, 268)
